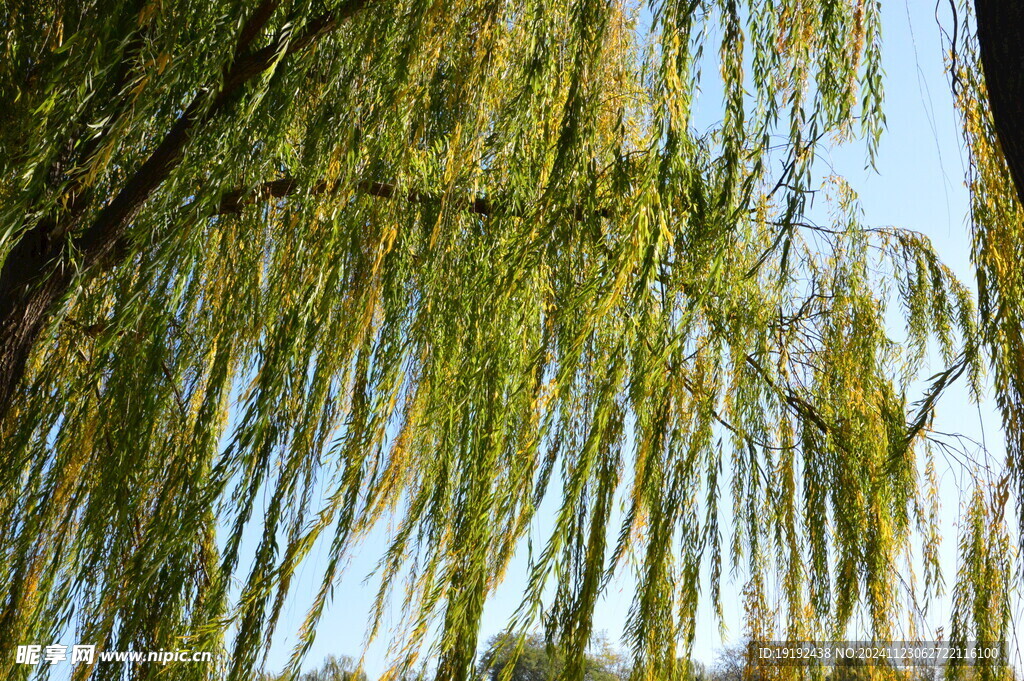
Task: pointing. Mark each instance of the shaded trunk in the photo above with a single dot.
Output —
(1001, 42)
(27, 299)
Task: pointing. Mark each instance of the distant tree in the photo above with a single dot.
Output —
(333, 668)
(729, 664)
(537, 663)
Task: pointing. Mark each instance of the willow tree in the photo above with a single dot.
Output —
(303, 266)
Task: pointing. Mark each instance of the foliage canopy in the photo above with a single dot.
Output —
(453, 261)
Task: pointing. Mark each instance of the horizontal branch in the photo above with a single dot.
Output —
(235, 200)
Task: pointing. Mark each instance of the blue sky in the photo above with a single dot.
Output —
(919, 185)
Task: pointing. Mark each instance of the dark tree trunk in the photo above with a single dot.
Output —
(1001, 40)
(26, 302)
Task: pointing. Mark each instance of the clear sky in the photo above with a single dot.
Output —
(919, 185)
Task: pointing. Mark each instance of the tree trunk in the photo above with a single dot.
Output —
(1001, 41)
(26, 301)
